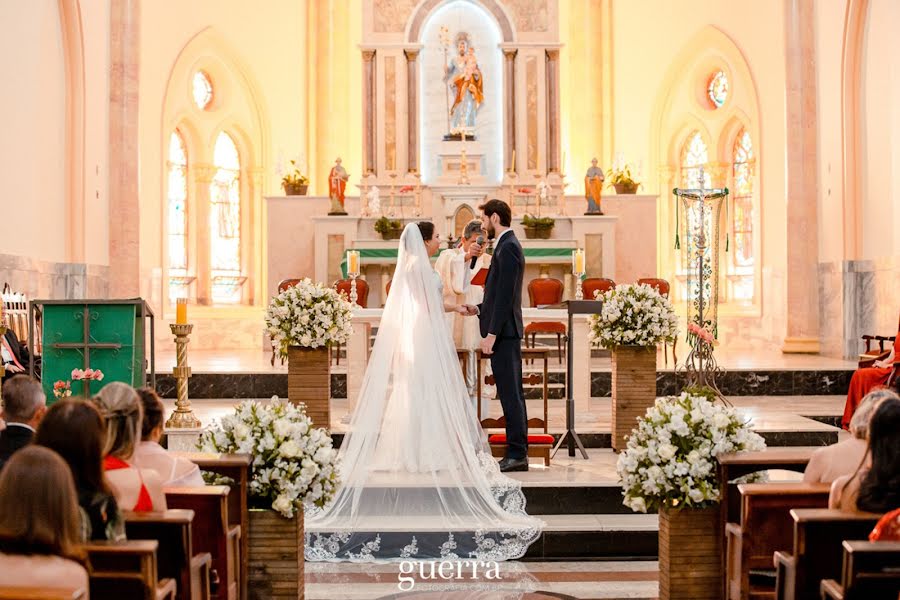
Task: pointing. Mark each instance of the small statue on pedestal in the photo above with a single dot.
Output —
(543, 194)
(337, 183)
(374, 201)
(593, 184)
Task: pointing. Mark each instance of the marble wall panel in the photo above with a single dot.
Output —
(390, 112)
(530, 15)
(53, 281)
(390, 16)
(531, 111)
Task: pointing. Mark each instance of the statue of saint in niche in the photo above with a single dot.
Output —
(465, 84)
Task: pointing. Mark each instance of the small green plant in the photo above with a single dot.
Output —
(385, 225)
(622, 177)
(294, 177)
(538, 222)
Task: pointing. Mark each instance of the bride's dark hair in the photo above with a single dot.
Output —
(426, 228)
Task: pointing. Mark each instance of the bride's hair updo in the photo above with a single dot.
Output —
(426, 228)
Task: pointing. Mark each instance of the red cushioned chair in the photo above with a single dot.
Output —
(868, 358)
(541, 292)
(539, 444)
(662, 286)
(343, 287)
(283, 285)
(593, 285)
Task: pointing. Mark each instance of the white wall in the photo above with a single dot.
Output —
(32, 145)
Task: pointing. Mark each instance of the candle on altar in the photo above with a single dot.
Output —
(393, 159)
(578, 262)
(562, 167)
(181, 311)
(353, 263)
(512, 164)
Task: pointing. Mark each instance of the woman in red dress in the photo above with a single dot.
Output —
(866, 380)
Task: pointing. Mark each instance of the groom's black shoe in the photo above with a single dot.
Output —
(513, 464)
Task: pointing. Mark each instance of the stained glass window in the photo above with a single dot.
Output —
(177, 216)
(225, 222)
(694, 157)
(202, 90)
(718, 89)
(742, 258)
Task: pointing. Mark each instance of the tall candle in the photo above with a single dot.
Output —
(181, 311)
(562, 167)
(393, 159)
(353, 262)
(512, 164)
(578, 262)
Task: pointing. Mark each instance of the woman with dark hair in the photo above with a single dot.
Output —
(148, 454)
(39, 522)
(875, 487)
(75, 430)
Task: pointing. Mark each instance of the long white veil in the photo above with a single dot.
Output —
(418, 479)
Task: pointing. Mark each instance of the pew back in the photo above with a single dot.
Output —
(128, 569)
(41, 593)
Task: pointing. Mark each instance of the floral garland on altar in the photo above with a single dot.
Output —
(633, 315)
(309, 315)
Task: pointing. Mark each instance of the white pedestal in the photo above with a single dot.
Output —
(182, 440)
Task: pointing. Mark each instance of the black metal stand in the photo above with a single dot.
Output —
(573, 307)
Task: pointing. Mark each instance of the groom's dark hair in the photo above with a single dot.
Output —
(426, 228)
(497, 207)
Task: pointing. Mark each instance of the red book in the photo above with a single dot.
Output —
(480, 277)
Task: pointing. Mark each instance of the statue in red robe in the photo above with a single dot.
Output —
(337, 183)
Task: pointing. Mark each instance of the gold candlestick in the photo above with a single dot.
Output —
(183, 417)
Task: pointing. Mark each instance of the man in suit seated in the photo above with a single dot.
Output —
(16, 357)
(24, 405)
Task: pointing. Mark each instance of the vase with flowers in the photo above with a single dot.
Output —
(294, 182)
(622, 181)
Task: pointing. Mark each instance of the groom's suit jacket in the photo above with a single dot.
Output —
(500, 313)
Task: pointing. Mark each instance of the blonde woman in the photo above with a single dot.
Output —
(135, 489)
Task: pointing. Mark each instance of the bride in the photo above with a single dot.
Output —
(418, 478)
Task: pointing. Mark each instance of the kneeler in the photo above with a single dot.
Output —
(539, 444)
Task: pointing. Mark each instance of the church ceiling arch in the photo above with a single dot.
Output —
(426, 7)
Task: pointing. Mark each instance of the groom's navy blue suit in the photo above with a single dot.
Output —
(500, 314)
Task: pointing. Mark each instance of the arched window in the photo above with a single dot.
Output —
(177, 191)
(694, 156)
(742, 259)
(225, 222)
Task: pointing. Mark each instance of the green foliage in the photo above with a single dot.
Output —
(384, 225)
(623, 177)
(538, 222)
(294, 176)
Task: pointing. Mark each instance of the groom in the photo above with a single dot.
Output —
(500, 318)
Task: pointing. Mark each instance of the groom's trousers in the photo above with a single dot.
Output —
(506, 361)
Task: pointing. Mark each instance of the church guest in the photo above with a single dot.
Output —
(75, 430)
(139, 490)
(874, 487)
(16, 357)
(24, 404)
(865, 380)
(828, 463)
(39, 523)
(150, 455)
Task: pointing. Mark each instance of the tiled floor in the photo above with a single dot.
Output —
(517, 580)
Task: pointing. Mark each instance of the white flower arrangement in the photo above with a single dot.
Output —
(308, 315)
(670, 459)
(293, 462)
(633, 315)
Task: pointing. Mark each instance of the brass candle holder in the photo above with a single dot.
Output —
(183, 417)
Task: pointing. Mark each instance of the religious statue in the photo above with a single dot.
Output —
(543, 194)
(373, 200)
(593, 183)
(466, 83)
(337, 183)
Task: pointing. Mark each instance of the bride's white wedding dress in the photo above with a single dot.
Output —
(418, 479)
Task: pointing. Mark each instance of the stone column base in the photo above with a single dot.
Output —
(800, 345)
(182, 440)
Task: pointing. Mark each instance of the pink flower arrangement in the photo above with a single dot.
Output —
(87, 374)
(62, 389)
(702, 333)
(406, 189)
(525, 190)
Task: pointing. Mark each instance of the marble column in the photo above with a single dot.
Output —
(553, 125)
(124, 198)
(357, 360)
(509, 120)
(369, 109)
(802, 309)
(412, 110)
(203, 176)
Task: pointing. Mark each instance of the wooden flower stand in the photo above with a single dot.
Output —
(309, 382)
(633, 388)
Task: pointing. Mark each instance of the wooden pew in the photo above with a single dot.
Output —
(176, 557)
(871, 572)
(765, 526)
(237, 467)
(120, 570)
(212, 532)
(42, 593)
(817, 550)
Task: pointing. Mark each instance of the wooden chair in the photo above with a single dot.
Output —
(283, 285)
(343, 286)
(120, 570)
(871, 571)
(42, 593)
(539, 444)
(541, 292)
(212, 533)
(594, 285)
(662, 286)
(765, 526)
(237, 468)
(176, 558)
(868, 357)
(817, 551)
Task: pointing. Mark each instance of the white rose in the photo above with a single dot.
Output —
(283, 505)
(289, 449)
(721, 420)
(667, 451)
(241, 431)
